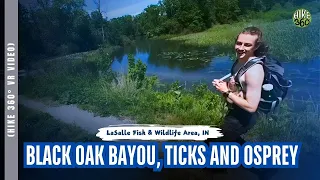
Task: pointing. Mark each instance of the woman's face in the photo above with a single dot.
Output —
(245, 45)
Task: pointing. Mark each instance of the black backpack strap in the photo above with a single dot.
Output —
(247, 66)
(233, 66)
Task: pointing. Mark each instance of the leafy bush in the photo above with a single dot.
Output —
(137, 70)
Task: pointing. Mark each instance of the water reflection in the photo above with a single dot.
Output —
(173, 55)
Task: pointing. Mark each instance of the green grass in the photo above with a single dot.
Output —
(289, 125)
(170, 106)
(284, 38)
(124, 99)
(164, 36)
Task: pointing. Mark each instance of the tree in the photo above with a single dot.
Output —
(226, 11)
(100, 18)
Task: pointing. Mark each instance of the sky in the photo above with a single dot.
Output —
(112, 8)
(117, 8)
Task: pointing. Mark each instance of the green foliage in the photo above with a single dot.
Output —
(71, 81)
(186, 16)
(171, 26)
(137, 70)
(199, 106)
(226, 11)
(102, 58)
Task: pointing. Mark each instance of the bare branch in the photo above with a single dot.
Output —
(98, 4)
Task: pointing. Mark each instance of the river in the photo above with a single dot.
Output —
(172, 61)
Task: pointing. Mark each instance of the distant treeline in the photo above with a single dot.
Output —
(58, 27)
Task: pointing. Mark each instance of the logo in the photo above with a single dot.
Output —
(301, 18)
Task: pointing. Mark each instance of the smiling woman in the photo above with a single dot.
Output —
(242, 114)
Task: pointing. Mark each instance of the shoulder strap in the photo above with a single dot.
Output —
(233, 66)
(247, 66)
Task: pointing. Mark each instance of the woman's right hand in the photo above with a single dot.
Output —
(232, 84)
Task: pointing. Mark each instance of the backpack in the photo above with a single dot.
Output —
(274, 87)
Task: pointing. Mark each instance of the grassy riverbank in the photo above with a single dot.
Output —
(142, 98)
(284, 38)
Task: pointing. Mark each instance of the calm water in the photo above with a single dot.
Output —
(172, 61)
